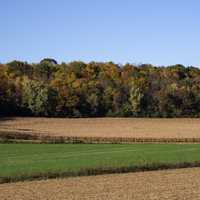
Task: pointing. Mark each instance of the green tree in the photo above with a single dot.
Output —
(35, 97)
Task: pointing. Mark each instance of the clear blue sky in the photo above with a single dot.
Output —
(161, 32)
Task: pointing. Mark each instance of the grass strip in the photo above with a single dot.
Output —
(8, 137)
(98, 171)
(40, 161)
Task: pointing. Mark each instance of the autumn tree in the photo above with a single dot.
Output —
(98, 89)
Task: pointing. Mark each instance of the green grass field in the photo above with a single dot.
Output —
(26, 160)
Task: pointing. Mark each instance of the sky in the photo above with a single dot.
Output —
(159, 32)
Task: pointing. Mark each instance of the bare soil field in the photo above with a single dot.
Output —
(180, 184)
(104, 127)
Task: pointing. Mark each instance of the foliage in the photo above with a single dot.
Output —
(35, 96)
(96, 89)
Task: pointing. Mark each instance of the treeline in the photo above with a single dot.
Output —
(79, 89)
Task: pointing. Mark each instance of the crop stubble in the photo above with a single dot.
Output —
(181, 184)
(105, 127)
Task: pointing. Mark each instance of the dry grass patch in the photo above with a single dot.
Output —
(104, 127)
(181, 184)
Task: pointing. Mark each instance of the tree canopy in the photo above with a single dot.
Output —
(98, 89)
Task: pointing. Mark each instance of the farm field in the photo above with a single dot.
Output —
(104, 127)
(24, 161)
(165, 185)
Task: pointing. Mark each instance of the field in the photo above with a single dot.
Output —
(27, 161)
(180, 184)
(107, 129)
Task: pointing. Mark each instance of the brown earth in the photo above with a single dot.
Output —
(105, 127)
(181, 184)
